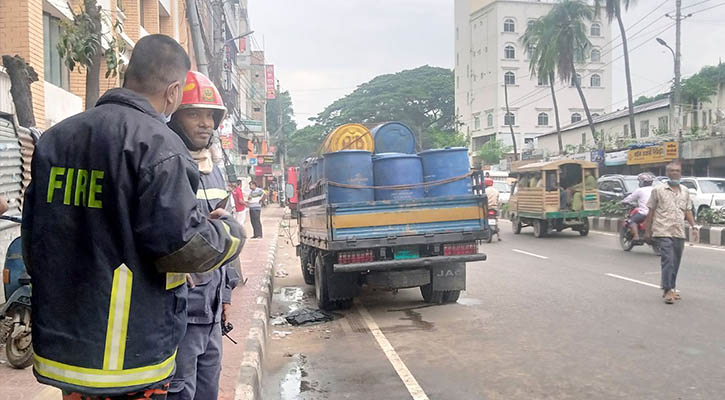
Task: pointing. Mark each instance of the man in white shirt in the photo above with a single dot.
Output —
(641, 197)
(491, 194)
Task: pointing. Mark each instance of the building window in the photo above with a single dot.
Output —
(542, 80)
(625, 130)
(456, 33)
(509, 119)
(458, 59)
(481, 75)
(543, 119)
(476, 122)
(509, 52)
(458, 82)
(257, 109)
(576, 117)
(579, 56)
(584, 139)
(596, 30)
(644, 128)
(530, 50)
(704, 118)
(489, 120)
(509, 78)
(55, 70)
(596, 80)
(663, 125)
(509, 25)
(531, 23)
(596, 55)
(141, 16)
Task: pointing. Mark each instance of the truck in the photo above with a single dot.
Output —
(390, 244)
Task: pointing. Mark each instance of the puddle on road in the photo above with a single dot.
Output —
(469, 301)
(294, 384)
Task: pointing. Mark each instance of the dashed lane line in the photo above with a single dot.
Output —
(633, 280)
(403, 372)
(530, 254)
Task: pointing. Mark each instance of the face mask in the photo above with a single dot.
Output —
(673, 182)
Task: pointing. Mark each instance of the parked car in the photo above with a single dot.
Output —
(616, 187)
(504, 191)
(706, 192)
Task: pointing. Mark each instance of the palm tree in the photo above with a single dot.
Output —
(569, 38)
(542, 61)
(613, 8)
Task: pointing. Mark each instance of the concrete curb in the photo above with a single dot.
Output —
(710, 235)
(249, 382)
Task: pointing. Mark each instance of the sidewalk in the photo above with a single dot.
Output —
(21, 384)
(244, 298)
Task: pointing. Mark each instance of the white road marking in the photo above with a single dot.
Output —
(408, 379)
(697, 246)
(530, 254)
(604, 233)
(633, 280)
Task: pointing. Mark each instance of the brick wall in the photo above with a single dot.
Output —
(21, 30)
(151, 15)
(130, 26)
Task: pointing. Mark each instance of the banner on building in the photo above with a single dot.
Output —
(269, 73)
(661, 153)
(615, 158)
(252, 125)
(261, 170)
(226, 134)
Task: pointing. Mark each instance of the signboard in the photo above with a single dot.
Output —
(252, 161)
(268, 159)
(226, 135)
(261, 170)
(616, 158)
(269, 75)
(653, 155)
(252, 125)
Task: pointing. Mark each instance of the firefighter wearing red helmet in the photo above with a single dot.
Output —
(199, 355)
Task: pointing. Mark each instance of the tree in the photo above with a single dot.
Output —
(280, 120)
(569, 36)
(492, 151)
(538, 36)
(304, 143)
(21, 77)
(438, 139)
(614, 10)
(422, 98)
(81, 43)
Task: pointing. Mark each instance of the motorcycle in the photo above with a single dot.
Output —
(626, 238)
(493, 225)
(15, 331)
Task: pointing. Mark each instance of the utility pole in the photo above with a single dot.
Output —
(508, 119)
(678, 57)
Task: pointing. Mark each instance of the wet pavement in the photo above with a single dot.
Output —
(557, 318)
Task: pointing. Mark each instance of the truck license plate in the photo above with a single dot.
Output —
(406, 253)
(492, 221)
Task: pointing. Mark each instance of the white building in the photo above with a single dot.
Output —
(488, 52)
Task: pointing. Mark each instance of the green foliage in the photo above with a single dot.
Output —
(280, 122)
(698, 89)
(438, 139)
(711, 217)
(492, 151)
(422, 98)
(646, 99)
(304, 143)
(567, 35)
(614, 209)
(612, 8)
(81, 40)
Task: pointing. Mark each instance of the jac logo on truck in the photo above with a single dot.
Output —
(447, 273)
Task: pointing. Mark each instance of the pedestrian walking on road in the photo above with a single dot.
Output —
(254, 202)
(111, 228)
(199, 358)
(669, 206)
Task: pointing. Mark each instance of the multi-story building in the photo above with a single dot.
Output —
(32, 28)
(490, 58)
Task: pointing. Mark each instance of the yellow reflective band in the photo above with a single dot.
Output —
(102, 378)
(174, 279)
(118, 319)
(211, 194)
(232, 248)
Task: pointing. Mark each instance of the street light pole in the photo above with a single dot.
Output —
(678, 33)
(674, 115)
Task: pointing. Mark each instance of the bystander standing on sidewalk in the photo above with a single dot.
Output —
(669, 206)
(240, 206)
(256, 196)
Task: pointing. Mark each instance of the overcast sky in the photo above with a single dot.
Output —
(323, 49)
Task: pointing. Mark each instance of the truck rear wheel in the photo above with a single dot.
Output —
(305, 264)
(439, 296)
(539, 228)
(516, 225)
(321, 288)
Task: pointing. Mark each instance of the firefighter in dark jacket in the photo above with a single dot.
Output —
(111, 226)
(200, 352)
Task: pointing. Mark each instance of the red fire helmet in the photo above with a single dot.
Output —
(200, 92)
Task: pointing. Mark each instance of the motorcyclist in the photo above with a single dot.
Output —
(491, 194)
(640, 197)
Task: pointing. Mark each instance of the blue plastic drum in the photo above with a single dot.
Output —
(351, 167)
(441, 164)
(398, 169)
(393, 137)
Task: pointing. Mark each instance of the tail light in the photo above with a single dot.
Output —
(492, 213)
(459, 249)
(6, 277)
(355, 257)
